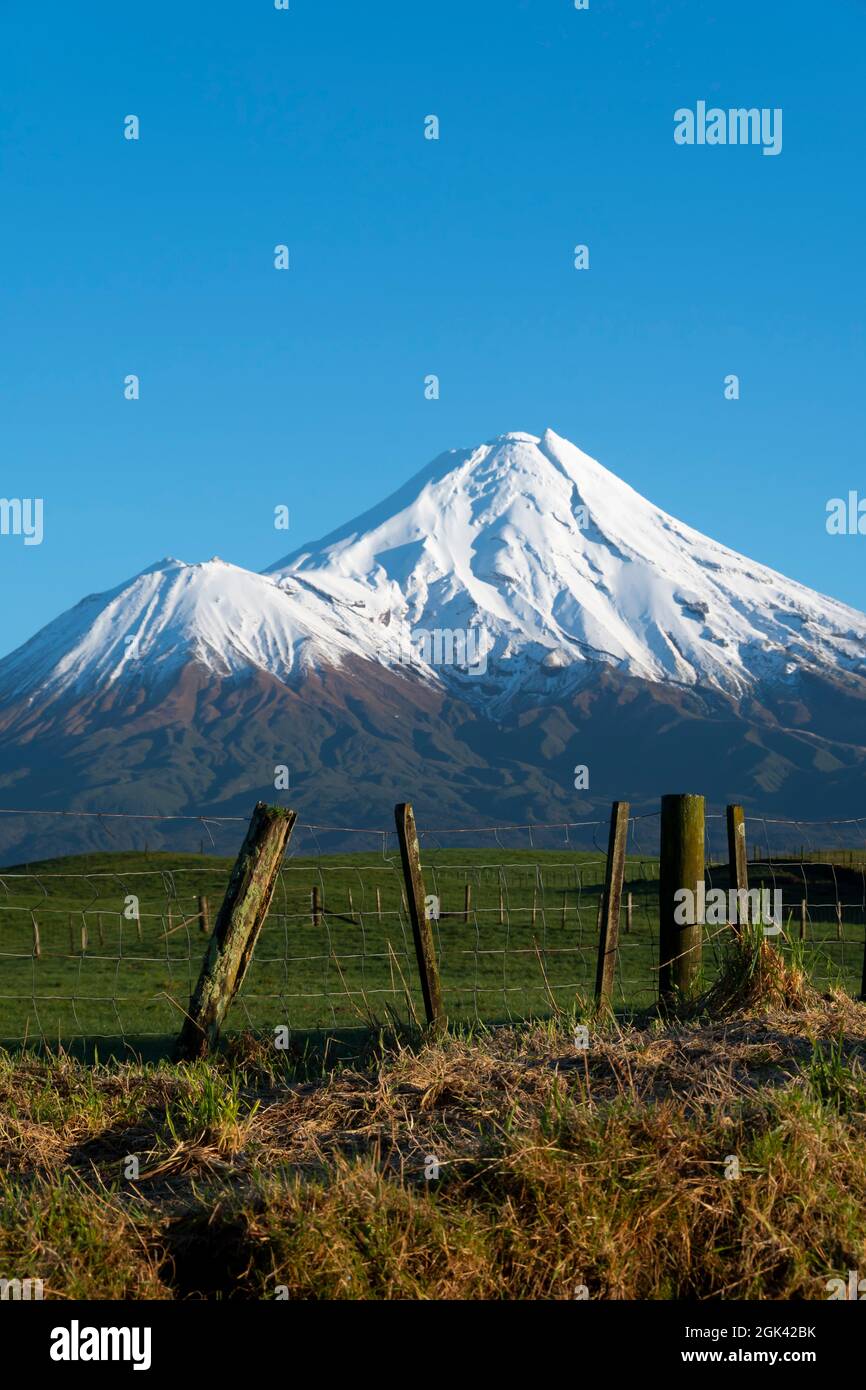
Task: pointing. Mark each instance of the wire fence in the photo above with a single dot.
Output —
(517, 935)
(818, 871)
(108, 945)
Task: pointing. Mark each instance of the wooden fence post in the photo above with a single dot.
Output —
(410, 854)
(37, 946)
(803, 918)
(239, 921)
(467, 903)
(316, 906)
(629, 914)
(681, 865)
(204, 916)
(738, 864)
(608, 936)
(378, 904)
(838, 921)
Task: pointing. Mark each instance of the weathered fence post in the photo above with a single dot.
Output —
(239, 921)
(681, 865)
(410, 855)
(378, 904)
(316, 906)
(804, 913)
(204, 916)
(467, 904)
(629, 914)
(738, 864)
(608, 936)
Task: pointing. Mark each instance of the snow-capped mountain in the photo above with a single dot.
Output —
(223, 618)
(612, 635)
(559, 567)
(565, 568)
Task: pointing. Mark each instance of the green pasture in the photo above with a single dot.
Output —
(110, 946)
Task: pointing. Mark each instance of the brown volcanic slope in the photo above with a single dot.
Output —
(359, 738)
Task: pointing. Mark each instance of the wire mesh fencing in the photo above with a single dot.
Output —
(336, 950)
(815, 874)
(105, 944)
(518, 922)
(108, 944)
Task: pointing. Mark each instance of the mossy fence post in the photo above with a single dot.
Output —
(681, 865)
(738, 863)
(238, 924)
(608, 934)
(410, 854)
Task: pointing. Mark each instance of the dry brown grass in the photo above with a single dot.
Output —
(557, 1168)
(756, 977)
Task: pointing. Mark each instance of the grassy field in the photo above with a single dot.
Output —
(73, 965)
(485, 1166)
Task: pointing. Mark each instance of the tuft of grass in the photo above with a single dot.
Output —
(831, 1079)
(210, 1109)
(756, 975)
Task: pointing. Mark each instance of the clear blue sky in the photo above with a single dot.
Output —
(411, 257)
